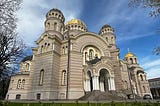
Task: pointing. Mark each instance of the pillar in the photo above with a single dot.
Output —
(112, 83)
(95, 82)
(88, 85)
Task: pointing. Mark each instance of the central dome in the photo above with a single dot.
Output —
(75, 21)
(76, 24)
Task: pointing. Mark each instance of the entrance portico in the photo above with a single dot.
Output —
(101, 80)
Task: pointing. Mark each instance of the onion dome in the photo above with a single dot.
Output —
(129, 54)
(76, 24)
(55, 13)
(106, 29)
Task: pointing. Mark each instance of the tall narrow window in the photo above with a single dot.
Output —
(27, 66)
(38, 96)
(63, 50)
(55, 26)
(141, 77)
(19, 84)
(131, 60)
(85, 56)
(23, 82)
(90, 54)
(64, 77)
(41, 77)
(42, 49)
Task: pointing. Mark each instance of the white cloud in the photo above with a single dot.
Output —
(32, 14)
(151, 66)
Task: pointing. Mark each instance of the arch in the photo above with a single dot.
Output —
(104, 80)
(41, 77)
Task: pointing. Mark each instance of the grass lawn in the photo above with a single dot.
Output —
(83, 104)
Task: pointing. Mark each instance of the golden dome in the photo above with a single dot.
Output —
(75, 21)
(129, 54)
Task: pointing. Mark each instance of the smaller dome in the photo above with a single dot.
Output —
(106, 29)
(106, 26)
(55, 13)
(129, 54)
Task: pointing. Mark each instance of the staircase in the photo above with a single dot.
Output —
(100, 96)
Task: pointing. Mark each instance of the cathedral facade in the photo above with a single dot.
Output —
(69, 62)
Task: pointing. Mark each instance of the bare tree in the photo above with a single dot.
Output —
(11, 46)
(153, 5)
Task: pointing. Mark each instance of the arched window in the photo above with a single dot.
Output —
(85, 56)
(126, 84)
(55, 26)
(23, 82)
(19, 84)
(18, 96)
(107, 39)
(141, 77)
(27, 66)
(42, 49)
(64, 77)
(135, 60)
(131, 60)
(112, 39)
(41, 77)
(91, 53)
(63, 50)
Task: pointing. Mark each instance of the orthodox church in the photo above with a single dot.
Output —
(71, 62)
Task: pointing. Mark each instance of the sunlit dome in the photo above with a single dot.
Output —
(75, 21)
(129, 54)
(76, 24)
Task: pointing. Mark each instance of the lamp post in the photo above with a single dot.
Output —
(68, 65)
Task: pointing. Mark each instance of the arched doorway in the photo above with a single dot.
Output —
(104, 80)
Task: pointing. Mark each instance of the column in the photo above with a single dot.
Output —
(112, 83)
(88, 88)
(95, 82)
(101, 86)
(109, 84)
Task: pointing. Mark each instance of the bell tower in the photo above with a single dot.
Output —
(55, 22)
(108, 33)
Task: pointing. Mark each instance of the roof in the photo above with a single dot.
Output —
(154, 79)
(27, 58)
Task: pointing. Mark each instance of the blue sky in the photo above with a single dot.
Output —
(134, 28)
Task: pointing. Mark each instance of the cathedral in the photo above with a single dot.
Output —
(70, 62)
